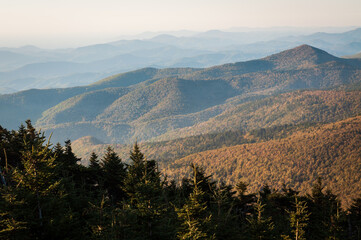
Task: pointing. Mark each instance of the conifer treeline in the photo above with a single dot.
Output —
(46, 194)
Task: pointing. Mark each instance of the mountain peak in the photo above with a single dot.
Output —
(303, 56)
(305, 47)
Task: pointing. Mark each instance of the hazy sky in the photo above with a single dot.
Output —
(71, 22)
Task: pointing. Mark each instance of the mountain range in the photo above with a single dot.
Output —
(31, 67)
(163, 104)
(294, 114)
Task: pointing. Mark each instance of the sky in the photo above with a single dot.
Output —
(75, 22)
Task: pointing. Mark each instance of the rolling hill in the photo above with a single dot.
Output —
(30, 104)
(331, 151)
(260, 120)
(163, 104)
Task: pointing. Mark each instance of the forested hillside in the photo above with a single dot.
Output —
(280, 115)
(46, 194)
(190, 100)
(287, 154)
(164, 104)
(331, 151)
(288, 108)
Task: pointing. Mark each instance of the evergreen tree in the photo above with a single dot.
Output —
(103, 220)
(114, 172)
(259, 226)
(224, 213)
(244, 201)
(140, 171)
(13, 223)
(325, 210)
(33, 187)
(299, 220)
(205, 184)
(94, 162)
(136, 156)
(95, 173)
(146, 206)
(194, 215)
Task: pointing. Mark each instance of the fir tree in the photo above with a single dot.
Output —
(244, 201)
(194, 215)
(145, 205)
(95, 173)
(13, 223)
(140, 171)
(325, 209)
(34, 186)
(103, 220)
(223, 209)
(113, 175)
(136, 156)
(259, 226)
(94, 162)
(299, 220)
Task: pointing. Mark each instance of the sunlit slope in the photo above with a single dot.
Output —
(331, 151)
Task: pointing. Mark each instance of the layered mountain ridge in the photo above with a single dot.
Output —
(32, 67)
(162, 104)
(284, 119)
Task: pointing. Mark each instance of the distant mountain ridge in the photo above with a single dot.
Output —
(31, 67)
(167, 103)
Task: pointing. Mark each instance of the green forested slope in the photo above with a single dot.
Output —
(288, 108)
(82, 107)
(30, 104)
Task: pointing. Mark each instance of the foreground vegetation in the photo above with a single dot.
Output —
(46, 194)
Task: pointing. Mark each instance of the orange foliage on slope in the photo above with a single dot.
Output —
(331, 151)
